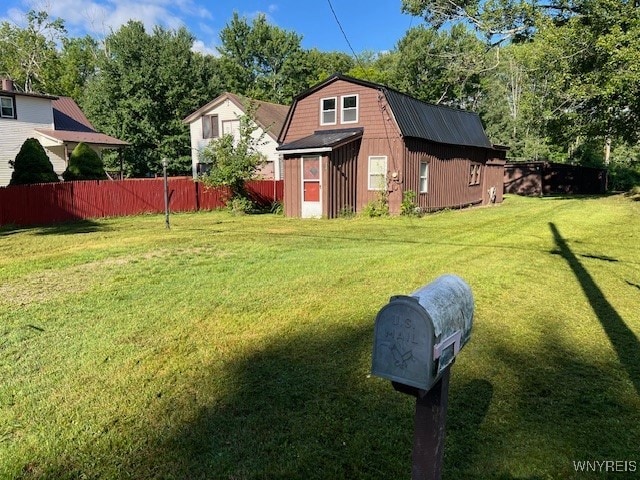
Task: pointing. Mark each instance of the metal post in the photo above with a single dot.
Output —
(429, 430)
(165, 162)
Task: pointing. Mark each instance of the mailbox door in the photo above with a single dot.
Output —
(403, 344)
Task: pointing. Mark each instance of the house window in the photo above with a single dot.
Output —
(474, 175)
(424, 177)
(349, 113)
(377, 172)
(7, 109)
(328, 111)
(210, 127)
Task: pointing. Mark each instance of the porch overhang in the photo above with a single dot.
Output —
(62, 137)
(321, 141)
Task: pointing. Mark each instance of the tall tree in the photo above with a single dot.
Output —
(147, 84)
(262, 61)
(441, 67)
(29, 54)
(77, 64)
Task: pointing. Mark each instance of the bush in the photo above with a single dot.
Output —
(378, 207)
(623, 177)
(240, 205)
(84, 164)
(32, 165)
(347, 212)
(277, 208)
(409, 207)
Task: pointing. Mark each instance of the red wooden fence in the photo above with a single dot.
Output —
(59, 202)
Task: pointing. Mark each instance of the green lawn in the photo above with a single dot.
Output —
(240, 347)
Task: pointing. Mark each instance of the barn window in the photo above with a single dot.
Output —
(424, 177)
(210, 127)
(7, 110)
(349, 112)
(377, 172)
(474, 175)
(328, 111)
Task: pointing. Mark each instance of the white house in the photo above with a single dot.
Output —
(56, 122)
(222, 115)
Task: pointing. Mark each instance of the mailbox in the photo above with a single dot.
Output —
(416, 337)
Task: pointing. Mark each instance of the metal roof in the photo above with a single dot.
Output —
(68, 116)
(416, 118)
(322, 140)
(436, 123)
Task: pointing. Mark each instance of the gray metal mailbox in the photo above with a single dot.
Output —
(416, 337)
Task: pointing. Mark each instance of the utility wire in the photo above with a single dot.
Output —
(343, 32)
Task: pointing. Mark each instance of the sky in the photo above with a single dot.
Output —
(370, 25)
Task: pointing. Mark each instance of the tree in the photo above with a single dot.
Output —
(233, 161)
(147, 83)
(32, 165)
(84, 164)
(441, 67)
(29, 54)
(262, 61)
(77, 64)
(498, 20)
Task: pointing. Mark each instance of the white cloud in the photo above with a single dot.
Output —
(102, 16)
(200, 47)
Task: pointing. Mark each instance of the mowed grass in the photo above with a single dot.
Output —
(240, 347)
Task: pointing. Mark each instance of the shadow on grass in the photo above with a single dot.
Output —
(72, 228)
(303, 407)
(577, 196)
(624, 341)
(631, 284)
(66, 228)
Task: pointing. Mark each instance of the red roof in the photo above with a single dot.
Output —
(72, 125)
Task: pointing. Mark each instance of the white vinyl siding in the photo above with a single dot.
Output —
(349, 109)
(32, 113)
(226, 111)
(377, 172)
(328, 111)
(424, 177)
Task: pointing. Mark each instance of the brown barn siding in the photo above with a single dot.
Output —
(292, 187)
(449, 168)
(342, 186)
(494, 178)
(393, 149)
(306, 118)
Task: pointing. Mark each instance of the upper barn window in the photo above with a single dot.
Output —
(349, 112)
(328, 111)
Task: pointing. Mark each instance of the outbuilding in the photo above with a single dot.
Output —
(345, 142)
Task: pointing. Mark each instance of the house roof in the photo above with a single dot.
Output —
(23, 94)
(68, 116)
(269, 116)
(93, 138)
(416, 118)
(322, 140)
(71, 125)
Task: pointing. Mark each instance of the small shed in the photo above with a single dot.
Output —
(549, 178)
(346, 141)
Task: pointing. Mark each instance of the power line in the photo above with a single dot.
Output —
(342, 30)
